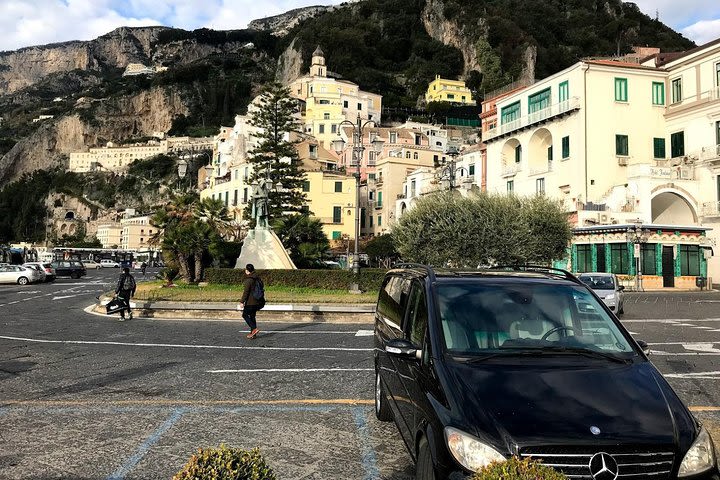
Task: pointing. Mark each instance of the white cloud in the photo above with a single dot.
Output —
(703, 31)
(681, 15)
(26, 22)
(37, 22)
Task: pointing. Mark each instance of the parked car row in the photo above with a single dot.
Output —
(20, 274)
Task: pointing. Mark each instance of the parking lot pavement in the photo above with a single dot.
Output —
(141, 441)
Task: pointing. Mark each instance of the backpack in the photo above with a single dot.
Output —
(128, 283)
(258, 292)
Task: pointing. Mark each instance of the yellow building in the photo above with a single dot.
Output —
(110, 234)
(328, 101)
(136, 233)
(452, 91)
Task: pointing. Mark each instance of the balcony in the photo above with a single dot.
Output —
(662, 170)
(510, 169)
(708, 96)
(539, 170)
(709, 154)
(710, 209)
(330, 221)
(553, 111)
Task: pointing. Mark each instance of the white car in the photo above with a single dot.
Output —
(91, 264)
(19, 274)
(107, 263)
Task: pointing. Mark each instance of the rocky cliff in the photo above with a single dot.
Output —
(27, 66)
(112, 120)
(281, 24)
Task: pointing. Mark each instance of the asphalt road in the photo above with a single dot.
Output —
(87, 397)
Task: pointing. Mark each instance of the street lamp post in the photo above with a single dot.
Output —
(358, 149)
(637, 235)
(449, 169)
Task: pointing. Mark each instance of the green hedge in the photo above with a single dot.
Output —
(370, 278)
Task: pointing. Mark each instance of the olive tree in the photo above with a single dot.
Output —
(483, 229)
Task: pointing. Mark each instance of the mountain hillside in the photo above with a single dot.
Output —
(392, 47)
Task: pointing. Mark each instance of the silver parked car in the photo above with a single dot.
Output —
(19, 274)
(607, 287)
(46, 269)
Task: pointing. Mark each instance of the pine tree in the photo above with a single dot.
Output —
(275, 119)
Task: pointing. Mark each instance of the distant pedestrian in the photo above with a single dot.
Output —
(125, 290)
(143, 267)
(253, 299)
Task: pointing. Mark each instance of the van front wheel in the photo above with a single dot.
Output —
(424, 468)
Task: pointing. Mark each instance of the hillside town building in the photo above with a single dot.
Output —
(451, 91)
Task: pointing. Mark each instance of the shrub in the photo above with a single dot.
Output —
(516, 469)
(226, 463)
(370, 278)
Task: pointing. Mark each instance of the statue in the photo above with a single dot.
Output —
(260, 199)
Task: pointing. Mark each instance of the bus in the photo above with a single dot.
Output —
(125, 258)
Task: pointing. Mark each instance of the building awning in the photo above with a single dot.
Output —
(632, 226)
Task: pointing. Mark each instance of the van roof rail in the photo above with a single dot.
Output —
(427, 268)
(541, 269)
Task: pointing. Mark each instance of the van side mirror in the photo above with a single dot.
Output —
(403, 348)
(644, 347)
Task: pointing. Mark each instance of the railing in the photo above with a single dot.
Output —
(535, 117)
(510, 168)
(710, 209)
(706, 96)
(663, 170)
(709, 153)
(331, 221)
(548, 167)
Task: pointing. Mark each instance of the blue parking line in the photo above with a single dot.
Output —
(369, 460)
(132, 462)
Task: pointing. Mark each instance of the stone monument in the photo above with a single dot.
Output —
(261, 246)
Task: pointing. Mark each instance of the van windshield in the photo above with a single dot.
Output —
(481, 318)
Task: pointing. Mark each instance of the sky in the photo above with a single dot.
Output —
(37, 22)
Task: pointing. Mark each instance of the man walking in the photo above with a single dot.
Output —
(253, 299)
(125, 290)
(143, 267)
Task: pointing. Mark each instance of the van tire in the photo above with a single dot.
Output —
(75, 275)
(424, 467)
(382, 409)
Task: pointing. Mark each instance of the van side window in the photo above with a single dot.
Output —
(392, 299)
(417, 315)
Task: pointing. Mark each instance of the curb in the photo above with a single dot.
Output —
(320, 313)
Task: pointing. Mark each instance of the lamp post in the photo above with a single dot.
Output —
(637, 235)
(358, 149)
(449, 169)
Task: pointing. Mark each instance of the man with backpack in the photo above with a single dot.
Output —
(253, 298)
(125, 290)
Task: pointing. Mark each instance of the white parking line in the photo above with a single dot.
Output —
(703, 375)
(174, 345)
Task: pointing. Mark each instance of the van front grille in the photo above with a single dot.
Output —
(574, 462)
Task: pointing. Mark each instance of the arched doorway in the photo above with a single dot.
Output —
(671, 208)
(70, 216)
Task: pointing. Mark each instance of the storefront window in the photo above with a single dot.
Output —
(619, 258)
(689, 260)
(647, 257)
(584, 258)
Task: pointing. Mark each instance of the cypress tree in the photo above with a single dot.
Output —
(276, 157)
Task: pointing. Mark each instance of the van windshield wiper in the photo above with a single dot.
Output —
(549, 350)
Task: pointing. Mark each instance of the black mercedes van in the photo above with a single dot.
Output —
(475, 367)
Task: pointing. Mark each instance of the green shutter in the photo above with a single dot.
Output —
(379, 201)
(659, 147)
(539, 101)
(621, 145)
(677, 144)
(337, 214)
(510, 113)
(564, 91)
(338, 187)
(565, 147)
(658, 93)
(336, 235)
(518, 154)
(621, 90)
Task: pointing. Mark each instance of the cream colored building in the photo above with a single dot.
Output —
(136, 233)
(115, 158)
(329, 101)
(451, 91)
(595, 136)
(110, 234)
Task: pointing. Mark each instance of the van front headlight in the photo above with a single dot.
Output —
(470, 452)
(700, 457)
